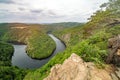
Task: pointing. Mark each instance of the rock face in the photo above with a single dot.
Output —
(66, 37)
(116, 74)
(114, 51)
(74, 68)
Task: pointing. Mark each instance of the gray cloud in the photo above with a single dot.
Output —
(16, 17)
(7, 1)
(50, 12)
(4, 10)
(21, 9)
(36, 11)
(46, 13)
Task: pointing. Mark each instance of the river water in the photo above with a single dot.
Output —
(22, 60)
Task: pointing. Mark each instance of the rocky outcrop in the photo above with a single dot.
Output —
(66, 37)
(114, 51)
(74, 68)
(116, 74)
(114, 22)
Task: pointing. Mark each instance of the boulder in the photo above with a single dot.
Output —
(74, 68)
(114, 51)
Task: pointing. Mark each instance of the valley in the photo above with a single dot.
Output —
(54, 49)
(22, 60)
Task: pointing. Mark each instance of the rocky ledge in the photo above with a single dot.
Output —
(74, 68)
(114, 51)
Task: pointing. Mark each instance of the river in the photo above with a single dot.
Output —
(22, 60)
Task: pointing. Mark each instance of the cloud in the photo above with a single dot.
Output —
(21, 9)
(44, 11)
(36, 11)
(51, 12)
(3, 10)
(7, 1)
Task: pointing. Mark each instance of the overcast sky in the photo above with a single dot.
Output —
(47, 11)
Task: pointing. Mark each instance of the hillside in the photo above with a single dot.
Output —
(89, 41)
(33, 35)
(61, 26)
(64, 24)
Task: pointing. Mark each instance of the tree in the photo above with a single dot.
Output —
(114, 5)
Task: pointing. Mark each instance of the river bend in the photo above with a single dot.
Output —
(22, 60)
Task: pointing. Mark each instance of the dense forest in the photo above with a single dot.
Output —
(88, 40)
(7, 71)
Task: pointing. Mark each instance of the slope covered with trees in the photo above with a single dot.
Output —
(7, 71)
(33, 35)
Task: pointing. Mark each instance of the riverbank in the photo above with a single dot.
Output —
(21, 56)
(33, 35)
(7, 71)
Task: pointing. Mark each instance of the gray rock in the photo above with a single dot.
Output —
(114, 77)
(114, 51)
(117, 73)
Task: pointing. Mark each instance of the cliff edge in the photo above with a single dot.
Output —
(74, 68)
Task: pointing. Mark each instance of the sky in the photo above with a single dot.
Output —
(47, 11)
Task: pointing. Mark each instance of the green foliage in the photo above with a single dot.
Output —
(114, 5)
(114, 30)
(89, 52)
(62, 25)
(99, 36)
(101, 17)
(11, 73)
(90, 49)
(6, 52)
(41, 73)
(85, 49)
(72, 34)
(40, 46)
(7, 72)
(3, 29)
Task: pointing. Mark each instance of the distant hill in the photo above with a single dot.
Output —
(64, 24)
